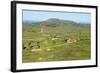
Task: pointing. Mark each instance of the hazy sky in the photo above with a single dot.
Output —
(44, 15)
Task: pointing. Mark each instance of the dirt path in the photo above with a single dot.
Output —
(36, 49)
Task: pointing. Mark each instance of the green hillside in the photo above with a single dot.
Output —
(56, 40)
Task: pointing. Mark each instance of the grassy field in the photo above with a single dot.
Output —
(55, 43)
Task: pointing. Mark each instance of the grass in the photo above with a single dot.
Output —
(56, 50)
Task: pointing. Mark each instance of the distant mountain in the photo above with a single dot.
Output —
(53, 22)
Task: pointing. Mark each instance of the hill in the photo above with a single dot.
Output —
(54, 22)
(56, 40)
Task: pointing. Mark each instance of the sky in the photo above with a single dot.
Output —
(32, 15)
